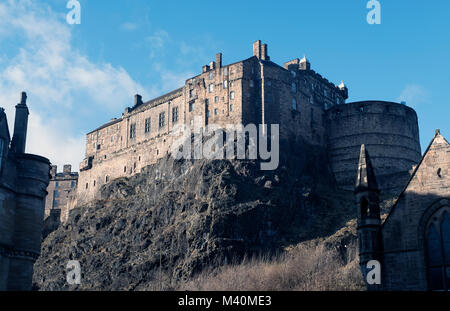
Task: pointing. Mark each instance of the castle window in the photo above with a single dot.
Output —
(232, 95)
(293, 87)
(311, 100)
(207, 113)
(133, 130)
(174, 114)
(438, 250)
(87, 185)
(225, 84)
(94, 183)
(325, 93)
(55, 203)
(72, 185)
(231, 107)
(192, 122)
(211, 75)
(56, 194)
(338, 100)
(252, 84)
(294, 104)
(98, 147)
(216, 111)
(191, 106)
(211, 88)
(225, 71)
(162, 119)
(191, 93)
(147, 125)
(293, 73)
(124, 169)
(56, 184)
(216, 99)
(231, 83)
(112, 138)
(107, 179)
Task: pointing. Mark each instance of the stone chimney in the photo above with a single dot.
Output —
(54, 171)
(137, 100)
(67, 169)
(219, 60)
(212, 65)
(257, 49)
(20, 126)
(264, 52)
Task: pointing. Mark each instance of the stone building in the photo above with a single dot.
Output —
(256, 90)
(23, 182)
(61, 186)
(413, 243)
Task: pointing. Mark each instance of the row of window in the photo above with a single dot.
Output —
(161, 122)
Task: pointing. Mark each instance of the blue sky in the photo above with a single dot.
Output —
(80, 76)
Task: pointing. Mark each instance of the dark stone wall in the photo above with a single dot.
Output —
(390, 132)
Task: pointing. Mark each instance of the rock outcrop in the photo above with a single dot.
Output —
(177, 217)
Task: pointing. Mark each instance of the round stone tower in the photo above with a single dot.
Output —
(390, 133)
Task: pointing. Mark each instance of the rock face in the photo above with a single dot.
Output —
(178, 217)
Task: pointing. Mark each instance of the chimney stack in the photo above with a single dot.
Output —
(257, 49)
(20, 126)
(53, 170)
(67, 169)
(264, 52)
(137, 100)
(219, 60)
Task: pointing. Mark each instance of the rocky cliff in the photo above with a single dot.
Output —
(177, 217)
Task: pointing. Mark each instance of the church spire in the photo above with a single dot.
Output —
(365, 179)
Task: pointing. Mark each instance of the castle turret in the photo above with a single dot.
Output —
(344, 90)
(304, 64)
(20, 126)
(368, 205)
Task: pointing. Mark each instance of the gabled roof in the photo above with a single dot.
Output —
(436, 139)
(365, 179)
(4, 130)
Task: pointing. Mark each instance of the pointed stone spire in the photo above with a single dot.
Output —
(365, 179)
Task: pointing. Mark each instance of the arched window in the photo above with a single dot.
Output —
(294, 104)
(437, 239)
(293, 87)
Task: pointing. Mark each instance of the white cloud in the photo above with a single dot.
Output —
(57, 77)
(157, 42)
(414, 95)
(128, 26)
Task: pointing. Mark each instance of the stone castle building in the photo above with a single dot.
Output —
(23, 182)
(256, 90)
(413, 243)
(61, 188)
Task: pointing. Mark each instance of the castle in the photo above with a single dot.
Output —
(256, 90)
(23, 181)
(413, 243)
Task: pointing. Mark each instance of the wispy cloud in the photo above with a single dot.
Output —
(59, 79)
(157, 42)
(414, 95)
(128, 26)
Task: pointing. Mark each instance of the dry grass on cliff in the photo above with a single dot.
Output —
(307, 267)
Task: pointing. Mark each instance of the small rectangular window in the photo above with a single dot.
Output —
(162, 119)
(174, 114)
(231, 107)
(225, 84)
(211, 88)
(216, 111)
(232, 95)
(133, 130)
(147, 125)
(216, 99)
(191, 106)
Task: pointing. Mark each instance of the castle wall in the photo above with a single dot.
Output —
(389, 131)
(61, 186)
